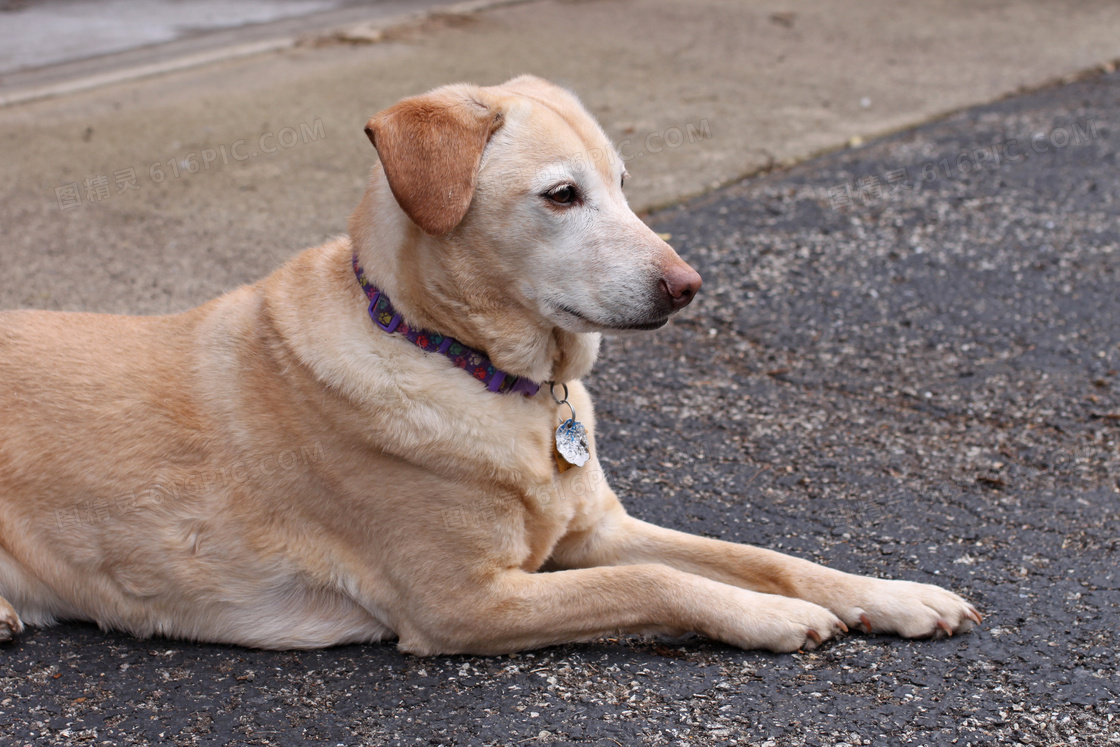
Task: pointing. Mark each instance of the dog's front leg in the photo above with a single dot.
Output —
(912, 610)
(517, 610)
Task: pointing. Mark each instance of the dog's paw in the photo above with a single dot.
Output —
(10, 624)
(784, 624)
(908, 609)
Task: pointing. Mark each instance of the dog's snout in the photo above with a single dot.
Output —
(680, 284)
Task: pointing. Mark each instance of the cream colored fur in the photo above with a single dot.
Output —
(272, 470)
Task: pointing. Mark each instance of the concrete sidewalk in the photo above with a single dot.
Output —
(698, 94)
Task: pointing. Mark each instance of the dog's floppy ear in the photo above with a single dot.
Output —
(430, 148)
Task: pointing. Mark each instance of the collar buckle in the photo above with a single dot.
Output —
(394, 319)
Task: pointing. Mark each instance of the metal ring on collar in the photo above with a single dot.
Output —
(552, 391)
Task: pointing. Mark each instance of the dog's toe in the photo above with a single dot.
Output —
(911, 610)
(10, 624)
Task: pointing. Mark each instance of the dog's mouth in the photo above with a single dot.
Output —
(616, 325)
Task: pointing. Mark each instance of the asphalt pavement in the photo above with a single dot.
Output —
(904, 362)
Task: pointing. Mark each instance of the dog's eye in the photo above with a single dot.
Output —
(565, 194)
(622, 181)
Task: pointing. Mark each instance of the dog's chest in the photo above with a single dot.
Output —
(556, 509)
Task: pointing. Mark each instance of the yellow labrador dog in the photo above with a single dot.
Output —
(374, 442)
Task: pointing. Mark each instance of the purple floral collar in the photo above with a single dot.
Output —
(473, 361)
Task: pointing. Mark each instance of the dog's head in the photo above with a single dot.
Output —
(524, 176)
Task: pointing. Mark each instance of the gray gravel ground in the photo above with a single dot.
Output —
(922, 384)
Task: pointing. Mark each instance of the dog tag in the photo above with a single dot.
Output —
(571, 442)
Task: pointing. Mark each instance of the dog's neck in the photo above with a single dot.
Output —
(439, 285)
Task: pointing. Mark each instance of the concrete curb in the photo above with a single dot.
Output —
(62, 80)
(857, 141)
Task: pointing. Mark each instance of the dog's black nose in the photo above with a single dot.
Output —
(680, 283)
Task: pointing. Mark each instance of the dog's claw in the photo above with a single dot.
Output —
(814, 635)
(865, 621)
(974, 615)
(843, 627)
(946, 627)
